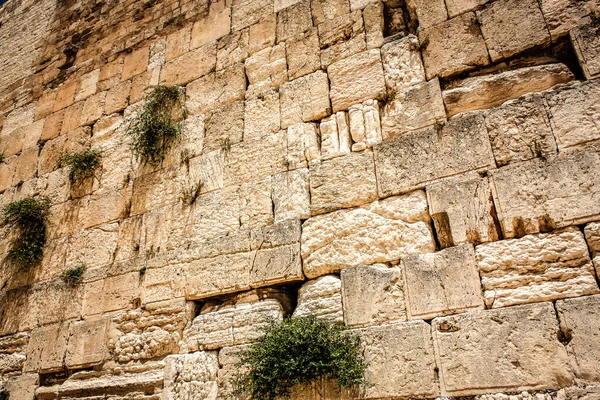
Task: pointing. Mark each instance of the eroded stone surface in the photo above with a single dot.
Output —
(322, 298)
(587, 46)
(191, 376)
(304, 99)
(402, 64)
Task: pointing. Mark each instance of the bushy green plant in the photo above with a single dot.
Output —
(155, 129)
(297, 351)
(28, 219)
(73, 276)
(4, 395)
(82, 165)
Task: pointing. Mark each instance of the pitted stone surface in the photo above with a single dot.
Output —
(587, 46)
(191, 376)
(322, 298)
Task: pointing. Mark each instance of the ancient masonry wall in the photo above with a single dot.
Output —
(424, 171)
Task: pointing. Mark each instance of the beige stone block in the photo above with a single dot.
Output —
(563, 15)
(303, 54)
(428, 13)
(262, 115)
(256, 207)
(536, 268)
(93, 298)
(46, 348)
(135, 63)
(95, 248)
(359, 4)
(356, 79)
(72, 115)
(279, 234)
(13, 349)
(578, 323)
(23, 386)
(587, 47)
(291, 195)
(225, 124)
(489, 91)
(192, 65)
(302, 146)
(527, 27)
(249, 12)
(383, 286)
(592, 237)
(117, 98)
(216, 25)
(178, 43)
(277, 265)
(384, 346)
(335, 135)
(402, 65)
(255, 159)
(26, 165)
(215, 90)
(294, 20)
(73, 142)
(342, 37)
(512, 350)
(574, 113)
(207, 169)
(120, 291)
(382, 231)
(538, 195)
(87, 85)
(324, 10)
(453, 46)
(93, 109)
(262, 34)
(232, 49)
(145, 197)
(442, 283)
(343, 182)
(457, 147)
(65, 95)
(45, 104)
(520, 130)
(266, 69)
(456, 7)
(365, 125)
(414, 108)
(191, 376)
(214, 214)
(52, 126)
(374, 19)
(219, 275)
(322, 298)
(87, 343)
(462, 210)
(304, 99)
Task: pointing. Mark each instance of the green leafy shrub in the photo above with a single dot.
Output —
(74, 275)
(297, 351)
(28, 218)
(155, 128)
(4, 395)
(82, 165)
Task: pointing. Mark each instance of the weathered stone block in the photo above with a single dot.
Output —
(382, 231)
(512, 349)
(191, 376)
(342, 37)
(453, 46)
(462, 210)
(214, 26)
(46, 348)
(87, 343)
(232, 49)
(13, 350)
(294, 20)
(402, 64)
(322, 298)
(323, 10)
(428, 13)
(489, 91)
(213, 215)
(382, 285)
(586, 42)
(135, 63)
(335, 135)
(456, 7)
(291, 195)
(262, 34)
(256, 207)
(225, 124)
(364, 124)
(219, 275)
(277, 265)
(248, 12)
(255, 159)
(343, 182)
(87, 85)
(95, 248)
(267, 69)
(563, 15)
(305, 99)
(356, 79)
(457, 147)
(262, 115)
(303, 54)
(374, 18)
(442, 283)
(207, 169)
(217, 89)
(117, 99)
(536, 268)
(302, 145)
(120, 291)
(538, 195)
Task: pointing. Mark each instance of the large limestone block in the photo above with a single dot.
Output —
(304, 99)
(488, 91)
(216, 25)
(538, 195)
(249, 12)
(322, 298)
(414, 108)
(343, 182)
(520, 130)
(87, 343)
(563, 15)
(459, 146)
(453, 46)
(303, 54)
(402, 64)
(216, 89)
(262, 115)
(291, 195)
(341, 37)
(382, 231)
(323, 10)
(294, 20)
(255, 159)
(190, 66)
(302, 146)
(207, 169)
(212, 215)
(191, 376)
(95, 247)
(232, 49)
(586, 41)
(225, 124)
(23, 387)
(46, 349)
(356, 79)
(442, 283)
(579, 323)
(512, 349)
(364, 124)
(121, 291)
(462, 210)
(374, 17)
(335, 135)
(256, 207)
(267, 69)
(536, 268)
(400, 359)
(383, 286)
(574, 113)
(13, 352)
(427, 12)
(276, 265)
(219, 275)
(527, 27)
(456, 7)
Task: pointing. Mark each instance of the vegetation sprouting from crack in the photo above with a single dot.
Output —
(82, 165)
(73, 276)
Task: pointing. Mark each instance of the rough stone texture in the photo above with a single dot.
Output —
(563, 15)
(304, 99)
(341, 37)
(302, 145)
(86, 343)
(291, 195)
(335, 136)
(248, 12)
(378, 232)
(459, 146)
(578, 322)
(322, 298)
(462, 210)
(587, 47)
(489, 91)
(226, 123)
(216, 89)
(456, 7)
(536, 268)
(382, 286)
(538, 195)
(267, 69)
(442, 283)
(191, 376)
(46, 348)
(303, 54)
(511, 350)
(364, 124)
(427, 12)
(402, 64)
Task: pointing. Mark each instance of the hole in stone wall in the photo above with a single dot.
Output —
(53, 378)
(396, 19)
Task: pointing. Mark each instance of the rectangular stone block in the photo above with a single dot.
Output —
(335, 136)
(262, 115)
(302, 146)
(402, 65)
(303, 54)
(276, 265)
(291, 195)
(304, 99)
(323, 10)
(512, 350)
(294, 20)
(442, 283)
(232, 49)
(341, 37)
(585, 39)
(216, 89)
(120, 291)
(256, 204)
(214, 26)
(456, 7)
(248, 12)
(538, 195)
(536, 268)
(427, 12)
(563, 15)
(364, 124)
(224, 125)
(87, 343)
(191, 376)
(322, 298)
(382, 231)
(46, 348)
(219, 275)
(267, 69)
(457, 147)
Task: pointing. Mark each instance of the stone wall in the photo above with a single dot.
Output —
(423, 171)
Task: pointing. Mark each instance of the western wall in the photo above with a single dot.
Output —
(426, 172)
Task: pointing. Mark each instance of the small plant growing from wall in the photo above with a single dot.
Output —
(73, 276)
(27, 220)
(299, 351)
(156, 129)
(81, 165)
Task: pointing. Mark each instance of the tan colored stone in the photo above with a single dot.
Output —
(255, 159)
(489, 91)
(359, 4)
(94, 247)
(563, 15)
(382, 231)
(13, 349)
(402, 64)
(456, 7)
(305, 99)
(427, 13)
(93, 108)
(87, 85)
(192, 65)
(207, 169)
(374, 19)
(303, 54)
(135, 63)
(225, 124)
(262, 115)
(281, 4)
(23, 386)
(538, 195)
(86, 346)
(65, 95)
(191, 376)
(356, 79)
(72, 116)
(322, 298)
(275, 266)
(120, 291)
(453, 46)
(219, 275)
(302, 146)
(294, 20)
(343, 182)
(117, 98)
(46, 348)
(232, 49)
(266, 69)
(178, 43)
(323, 10)
(216, 25)
(215, 90)
(213, 214)
(291, 195)
(45, 104)
(248, 12)
(256, 207)
(382, 286)
(511, 349)
(342, 37)
(536, 268)
(52, 126)
(335, 136)
(365, 125)
(587, 47)
(262, 34)
(457, 147)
